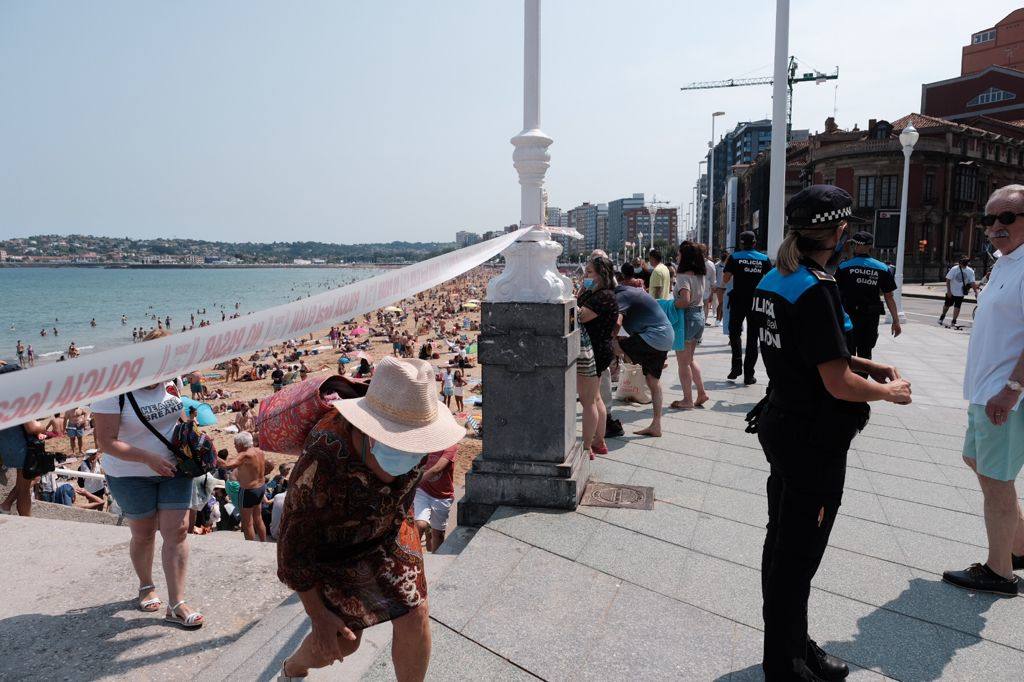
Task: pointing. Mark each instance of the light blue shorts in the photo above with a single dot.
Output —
(141, 496)
(997, 451)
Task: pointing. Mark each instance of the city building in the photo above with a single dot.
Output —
(463, 238)
(741, 145)
(583, 219)
(953, 169)
(617, 219)
(991, 80)
(999, 45)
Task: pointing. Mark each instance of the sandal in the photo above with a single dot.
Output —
(192, 621)
(681, 405)
(149, 605)
(601, 449)
(285, 677)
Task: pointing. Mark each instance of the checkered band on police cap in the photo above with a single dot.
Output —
(819, 206)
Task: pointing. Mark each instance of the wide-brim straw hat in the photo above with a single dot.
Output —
(401, 409)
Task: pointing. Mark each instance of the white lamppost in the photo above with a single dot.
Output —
(908, 138)
(780, 132)
(531, 263)
(711, 181)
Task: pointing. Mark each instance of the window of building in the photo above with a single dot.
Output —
(866, 191)
(991, 96)
(966, 184)
(983, 37)
(887, 191)
(929, 187)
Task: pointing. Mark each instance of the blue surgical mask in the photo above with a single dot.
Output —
(395, 462)
(588, 283)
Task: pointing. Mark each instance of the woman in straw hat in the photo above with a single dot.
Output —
(348, 543)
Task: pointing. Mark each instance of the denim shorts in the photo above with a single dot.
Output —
(141, 496)
(75, 432)
(694, 324)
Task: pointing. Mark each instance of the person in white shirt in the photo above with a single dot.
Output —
(142, 476)
(960, 281)
(993, 385)
(719, 288)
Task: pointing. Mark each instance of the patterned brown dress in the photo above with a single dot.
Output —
(349, 534)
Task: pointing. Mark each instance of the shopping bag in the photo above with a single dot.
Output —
(632, 386)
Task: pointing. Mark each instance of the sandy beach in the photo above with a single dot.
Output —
(437, 315)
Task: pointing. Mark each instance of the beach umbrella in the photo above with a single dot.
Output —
(392, 309)
(204, 414)
(475, 301)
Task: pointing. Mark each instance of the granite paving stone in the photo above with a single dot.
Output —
(546, 599)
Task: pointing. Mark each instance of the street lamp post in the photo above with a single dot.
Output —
(908, 138)
(711, 181)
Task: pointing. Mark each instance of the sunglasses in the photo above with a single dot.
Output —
(1005, 218)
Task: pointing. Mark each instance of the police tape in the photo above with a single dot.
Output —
(49, 389)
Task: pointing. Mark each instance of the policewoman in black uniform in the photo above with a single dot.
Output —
(862, 281)
(743, 271)
(814, 407)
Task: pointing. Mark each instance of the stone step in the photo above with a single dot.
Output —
(260, 652)
(68, 604)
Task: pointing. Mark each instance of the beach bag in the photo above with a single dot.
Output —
(632, 386)
(287, 417)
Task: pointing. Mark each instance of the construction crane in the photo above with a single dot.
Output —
(816, 76)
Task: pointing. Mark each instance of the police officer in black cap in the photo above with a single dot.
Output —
(862, 279)
(815, 405)
(743, 271)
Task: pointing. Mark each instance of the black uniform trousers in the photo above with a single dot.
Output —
(807, 455)
(739, 310)
(864, 335)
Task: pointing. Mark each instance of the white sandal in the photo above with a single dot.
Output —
(155, 602)
(192, 621)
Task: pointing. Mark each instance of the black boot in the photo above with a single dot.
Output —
(824, 665)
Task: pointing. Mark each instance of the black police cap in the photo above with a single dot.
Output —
(819, 206)
(863, 238)
(747, 237)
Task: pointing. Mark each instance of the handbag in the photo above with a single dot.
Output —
(192, 450)
(37, 460)
(632, 385)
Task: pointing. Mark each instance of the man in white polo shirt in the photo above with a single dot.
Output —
(994, 445)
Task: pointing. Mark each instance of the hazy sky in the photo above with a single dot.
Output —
(373, 121)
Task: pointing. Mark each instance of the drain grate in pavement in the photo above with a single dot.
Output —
(618, 495)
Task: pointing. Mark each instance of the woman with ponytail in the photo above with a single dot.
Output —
(817, 401)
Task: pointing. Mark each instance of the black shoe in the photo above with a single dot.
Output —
(750, 380)
(734, 374)
(1018, 562)
(981, 578)
(613, 429)
(825, 665)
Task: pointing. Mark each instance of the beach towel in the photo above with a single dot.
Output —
(677, 319)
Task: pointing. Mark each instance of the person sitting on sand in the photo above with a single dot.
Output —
(250, 466)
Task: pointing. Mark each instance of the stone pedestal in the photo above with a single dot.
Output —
(531, 456)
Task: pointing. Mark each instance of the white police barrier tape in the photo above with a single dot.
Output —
(52, 388)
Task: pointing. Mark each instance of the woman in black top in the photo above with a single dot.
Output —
(598, 314)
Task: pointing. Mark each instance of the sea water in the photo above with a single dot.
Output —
(68, 298)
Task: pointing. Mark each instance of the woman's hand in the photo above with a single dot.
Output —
(159, 465)
(326, 629)
(899, 392)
